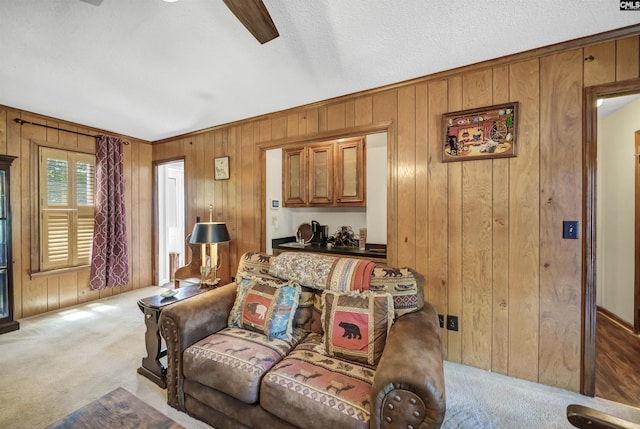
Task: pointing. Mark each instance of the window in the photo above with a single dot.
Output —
(66, 196)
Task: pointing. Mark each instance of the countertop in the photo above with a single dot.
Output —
(372, 251)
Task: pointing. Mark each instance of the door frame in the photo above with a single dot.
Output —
(590, 155)
(155, 264)
(636, 286)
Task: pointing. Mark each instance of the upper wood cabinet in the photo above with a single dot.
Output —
(350, 180)
(294, 177)
(325, 174)
(321, 174)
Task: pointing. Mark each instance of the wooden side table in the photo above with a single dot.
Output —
(151, 307)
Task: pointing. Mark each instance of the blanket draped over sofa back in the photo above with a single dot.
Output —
(323, 272)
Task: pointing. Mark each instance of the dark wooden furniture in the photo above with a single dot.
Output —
(7, 322)
(588, 418)
(151, 307)
(190, 272)
(116, 409)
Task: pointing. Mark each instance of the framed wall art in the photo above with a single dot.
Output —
(483, 133)
(221, 168)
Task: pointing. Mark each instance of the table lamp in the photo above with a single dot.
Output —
(209, 234)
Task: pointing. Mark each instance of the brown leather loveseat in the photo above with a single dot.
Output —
(310, 341)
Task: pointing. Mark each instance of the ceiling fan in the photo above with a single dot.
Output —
(253, 14)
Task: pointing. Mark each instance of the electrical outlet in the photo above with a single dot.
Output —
(452, 323)
(441, 319)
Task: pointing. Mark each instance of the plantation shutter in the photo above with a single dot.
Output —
(67, 181)
(85, 185)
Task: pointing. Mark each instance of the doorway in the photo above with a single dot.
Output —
(609, 268)
(170, 209)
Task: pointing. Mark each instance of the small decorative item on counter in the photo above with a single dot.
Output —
(344, 237)
(363, 238)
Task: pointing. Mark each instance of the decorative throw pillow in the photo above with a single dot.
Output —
(309, 311)
(356, 324)
(404, 285)
(265, 308)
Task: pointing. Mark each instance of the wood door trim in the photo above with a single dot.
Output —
(590, 154)
(155, 227)
(636, 287)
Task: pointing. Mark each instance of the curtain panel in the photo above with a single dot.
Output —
(109, 259)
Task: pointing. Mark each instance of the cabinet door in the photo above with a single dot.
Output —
(321, 174)
(350, 174)
(294, 182)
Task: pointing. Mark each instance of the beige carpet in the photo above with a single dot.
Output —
(61, 361)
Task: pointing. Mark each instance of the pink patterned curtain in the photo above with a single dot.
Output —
(109, 259)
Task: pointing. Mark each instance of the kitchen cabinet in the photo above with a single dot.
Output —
(350, 180)
(7, 322)
(294, 178)
(320, 174)
(327, 174)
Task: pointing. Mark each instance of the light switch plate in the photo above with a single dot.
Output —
(570, 229)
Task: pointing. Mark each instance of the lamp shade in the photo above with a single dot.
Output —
(209, 232)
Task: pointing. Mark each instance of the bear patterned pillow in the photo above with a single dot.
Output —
(356, 325)
(265, 308)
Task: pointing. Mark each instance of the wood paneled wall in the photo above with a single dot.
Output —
(51, 292)
(486, 233)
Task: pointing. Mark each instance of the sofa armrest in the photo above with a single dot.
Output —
(186, 322)
(408, 388)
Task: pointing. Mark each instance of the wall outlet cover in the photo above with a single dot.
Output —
(452, 323)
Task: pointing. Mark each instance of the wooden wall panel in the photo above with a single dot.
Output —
(422, 220)
(406, 178)
(144, 219)
(561, 199)
(627, 58)
(336, 116)
(477, 195)
(59, 290)
(364, 110)
(600, 63)
(524, 226)
(437, 264)
(454, 216)
(14, 145)
(3, 130)
(385, 108)
(500, 237)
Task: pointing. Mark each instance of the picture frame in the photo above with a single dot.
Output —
(482, 133)
(221, 168)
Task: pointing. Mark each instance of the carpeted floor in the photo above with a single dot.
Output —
(62, 360)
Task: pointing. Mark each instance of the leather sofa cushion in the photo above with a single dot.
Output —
(234, 360)
(318, 391)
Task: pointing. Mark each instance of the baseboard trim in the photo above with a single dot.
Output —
(615, 318)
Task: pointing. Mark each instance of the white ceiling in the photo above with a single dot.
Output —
(151, 70)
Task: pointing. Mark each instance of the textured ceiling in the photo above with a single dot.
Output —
(151, 70)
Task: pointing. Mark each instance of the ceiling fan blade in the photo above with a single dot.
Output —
(255, 17)
(93, 2)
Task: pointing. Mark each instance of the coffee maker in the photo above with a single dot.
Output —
(320, 233)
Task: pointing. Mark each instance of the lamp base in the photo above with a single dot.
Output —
(209, 284)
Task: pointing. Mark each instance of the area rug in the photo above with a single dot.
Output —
(116, 409)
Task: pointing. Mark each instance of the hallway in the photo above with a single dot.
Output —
(617, 362)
